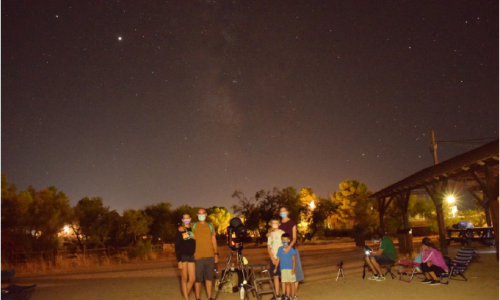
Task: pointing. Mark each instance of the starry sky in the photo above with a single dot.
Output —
(185, 101)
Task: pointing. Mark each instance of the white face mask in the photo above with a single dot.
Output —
(202, 217)
(275, 226)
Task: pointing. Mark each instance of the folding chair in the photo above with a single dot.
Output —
(389, 269)
(407, 276)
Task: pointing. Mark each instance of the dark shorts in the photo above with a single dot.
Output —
(271, 269)
(205, 269)
(187, 258)
(383, 259)
(433, 268)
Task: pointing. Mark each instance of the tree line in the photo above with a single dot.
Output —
(32, 219)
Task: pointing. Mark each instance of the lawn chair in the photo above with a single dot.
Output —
(405, 274)
(457, 266)
(17, 292)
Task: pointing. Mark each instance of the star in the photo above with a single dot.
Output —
(119, 38)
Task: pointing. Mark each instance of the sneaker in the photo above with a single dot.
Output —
(435, 282)
(373, 277)
(381, 278)
(284, 297)
(295, 298)
(425, 281)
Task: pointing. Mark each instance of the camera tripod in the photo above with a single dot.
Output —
(243, 286)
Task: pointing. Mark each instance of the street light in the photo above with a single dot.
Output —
(450, 199)
(312, 205)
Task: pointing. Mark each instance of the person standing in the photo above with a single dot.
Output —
(185, 246)
(206, 255)
(273, 244)
(287, 263)
(290, 227)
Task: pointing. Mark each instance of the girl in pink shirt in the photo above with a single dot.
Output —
(432, 263)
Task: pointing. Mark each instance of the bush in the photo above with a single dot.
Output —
(143, 250)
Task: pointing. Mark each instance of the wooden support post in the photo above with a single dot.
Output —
(490, 190)
(436, 192)
(405, 239)
(433, 147)
(485, 203)
(382, 207)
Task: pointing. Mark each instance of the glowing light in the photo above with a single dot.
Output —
(454, 211)
(66, 229)
(119, 38)
(312, 205)
(450, 199)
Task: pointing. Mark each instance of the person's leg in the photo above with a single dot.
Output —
(208, 286)
(433, 275)
(293, 292)
(376, 265)
(209, 276)
(288, 289)
(370, 265)
(199, 277)
(191, 277)
(184, 279)
(299, 273)
(277, 285)
(197, 289)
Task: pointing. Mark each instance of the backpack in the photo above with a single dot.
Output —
(209, 225)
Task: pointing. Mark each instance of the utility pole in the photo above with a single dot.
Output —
(434, 147)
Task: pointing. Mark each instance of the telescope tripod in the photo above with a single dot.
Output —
(243, 286)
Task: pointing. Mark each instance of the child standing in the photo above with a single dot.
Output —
(273, 244)
(286, 262)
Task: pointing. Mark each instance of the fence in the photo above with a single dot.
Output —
(50, 256)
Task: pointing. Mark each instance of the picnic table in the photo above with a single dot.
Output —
(469, 235)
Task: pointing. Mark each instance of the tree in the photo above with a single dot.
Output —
(246, 208)
(49, 211)
(353, 205)
(219, 217)
(161, 227)
(92, 220)
(136, 224)
(324, 208)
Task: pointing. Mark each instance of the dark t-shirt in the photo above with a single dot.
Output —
(287, 227)
(185, 243)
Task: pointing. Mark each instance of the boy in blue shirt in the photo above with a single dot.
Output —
(286, 263)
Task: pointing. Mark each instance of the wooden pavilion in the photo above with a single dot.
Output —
(473, 171)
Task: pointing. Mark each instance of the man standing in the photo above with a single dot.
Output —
(206, 255)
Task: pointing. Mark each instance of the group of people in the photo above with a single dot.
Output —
(196, 251)
(431, 260)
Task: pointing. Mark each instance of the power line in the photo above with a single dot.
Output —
(470, 140)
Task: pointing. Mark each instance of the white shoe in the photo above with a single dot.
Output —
(373, 277)
(381, 278)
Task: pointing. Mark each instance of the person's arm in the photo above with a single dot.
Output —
(276, 265)
(294, 239)
(269, 249)
(293, 264)
(214, 244)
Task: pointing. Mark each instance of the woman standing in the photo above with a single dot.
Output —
(185, 246)
(432, 263)
(290, 227)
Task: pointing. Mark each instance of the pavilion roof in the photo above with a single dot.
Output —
(455, 168)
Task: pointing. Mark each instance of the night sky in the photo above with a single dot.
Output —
(185, 101)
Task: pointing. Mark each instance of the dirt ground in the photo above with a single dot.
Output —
(160, 279)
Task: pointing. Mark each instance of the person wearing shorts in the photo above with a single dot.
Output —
(385, 255)
(206, 255)
(286, 262)
(185, 246)
(273, 244)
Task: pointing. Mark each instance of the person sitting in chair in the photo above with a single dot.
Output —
(385, 255)
(432, 262)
